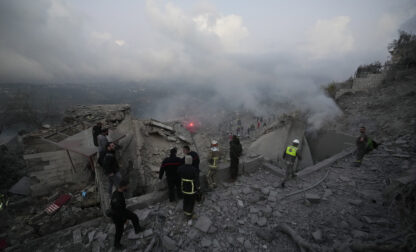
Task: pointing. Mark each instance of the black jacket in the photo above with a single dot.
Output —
(235, 148)
(110, 163)
(96, 130)
(170, 166)
(118, 205)
(189, 172)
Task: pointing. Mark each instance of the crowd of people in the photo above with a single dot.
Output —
(183, 174)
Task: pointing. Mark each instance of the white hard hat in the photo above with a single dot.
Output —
(296, 141)
(213, 142)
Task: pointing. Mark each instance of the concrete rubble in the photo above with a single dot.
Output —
(348, 206)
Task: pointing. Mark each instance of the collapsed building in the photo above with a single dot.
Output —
(61, 161)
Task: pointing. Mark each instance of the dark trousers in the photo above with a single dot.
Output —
(188, 204)
(234, 168)
(119, 222)
(174, 184)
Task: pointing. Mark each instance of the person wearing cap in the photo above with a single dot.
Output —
(170, 166)
(289, 155)
(120, 214)
(189, 185)
(213, 164)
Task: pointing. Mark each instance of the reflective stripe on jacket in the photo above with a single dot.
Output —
(188, 186)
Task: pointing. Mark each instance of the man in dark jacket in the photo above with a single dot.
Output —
(235, 153)
(111, 168)
(189, 182)
(102, 141)
(195, 157)
(170, 166)
(96, 130)
(120, 214)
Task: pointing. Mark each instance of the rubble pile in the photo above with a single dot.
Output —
(346, 210)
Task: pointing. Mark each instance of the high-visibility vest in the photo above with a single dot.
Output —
(291, 151)
(214, 162)
(192, 186)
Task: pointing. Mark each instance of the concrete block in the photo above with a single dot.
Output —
(313, 198)
(274, 169)
(324, 164)
(146, 199)
(203, 224)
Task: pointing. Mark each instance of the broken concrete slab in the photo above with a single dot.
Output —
(323, 164)
(22, 187)
(317, 235)
(76, 234)
(158, 124)
(203, 223)
(146, 199)
(313, 198)
(168, 243)
(274, 169)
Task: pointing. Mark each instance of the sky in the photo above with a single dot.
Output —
(292, 47)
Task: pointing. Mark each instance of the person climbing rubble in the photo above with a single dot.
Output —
(290, 155)
(170, 166)
(235, 152)
(120, 214)
(364, 145)
(96, 130)
(102, 145)
(195, 162)
(189, 183)
(111, 167)
(213, 164)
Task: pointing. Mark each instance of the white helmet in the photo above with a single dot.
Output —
(296, 141)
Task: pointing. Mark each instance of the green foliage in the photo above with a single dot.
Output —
(331, 89)
(403, 51)
(373, 68)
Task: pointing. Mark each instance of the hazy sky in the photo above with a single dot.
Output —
(232, 45)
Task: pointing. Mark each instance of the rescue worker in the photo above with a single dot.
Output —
(235, 152)
(102, 145)
(96, 130)
(364, 145)
(170, 166)
(111, 167)
(195, 162)
(120, 214)
(213, 164)
(189, 183)
(290, 155)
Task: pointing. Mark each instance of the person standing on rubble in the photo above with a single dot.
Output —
(170, 166)
(102, 145)
(213, 164)
(111, 167)
(235, 152)
(290, 155)
(195, 163)
(189, 183)
(120, 214)
(96, 130)
(364, 145)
